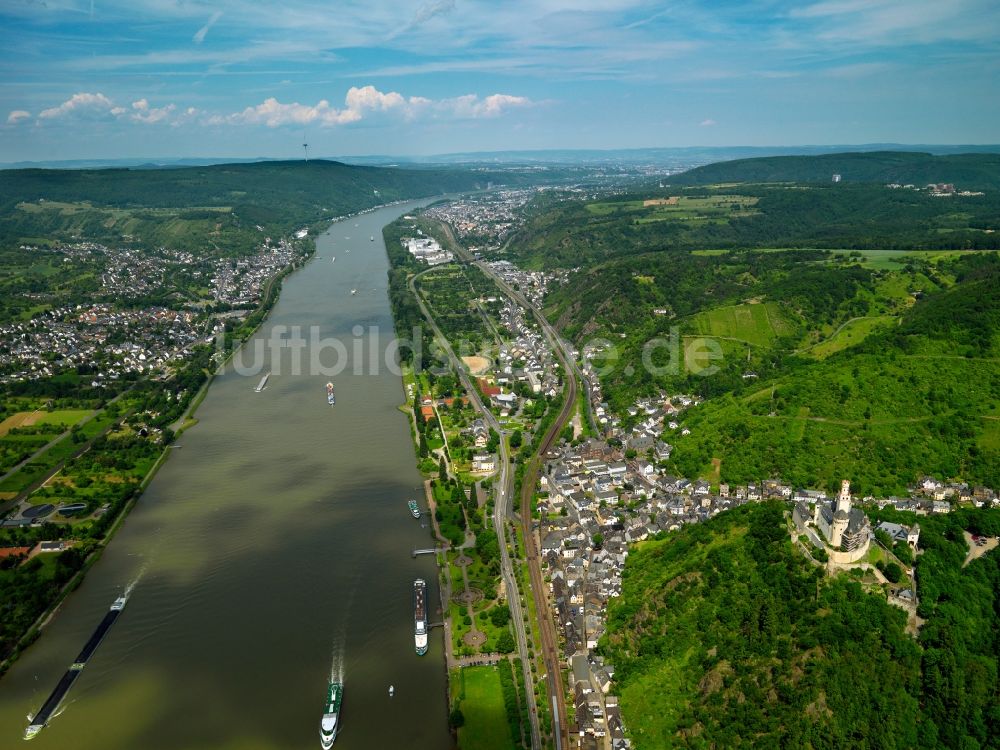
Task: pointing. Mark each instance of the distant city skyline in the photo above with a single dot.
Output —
(86, 79)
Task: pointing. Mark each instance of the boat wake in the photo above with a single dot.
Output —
(135, 581)
(338, 667)
(61, 710)
(337, 664)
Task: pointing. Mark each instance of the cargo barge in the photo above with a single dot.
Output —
(39, 720)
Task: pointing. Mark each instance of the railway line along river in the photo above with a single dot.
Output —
(272, 547)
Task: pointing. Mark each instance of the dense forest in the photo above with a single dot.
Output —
(725, 636)
(966, 171)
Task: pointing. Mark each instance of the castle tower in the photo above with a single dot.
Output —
(844, 498)
(841, 515)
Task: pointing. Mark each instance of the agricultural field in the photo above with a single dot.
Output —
(61, 418)
(62, 450)
(695, 210)
(23, 433)
(759, 324)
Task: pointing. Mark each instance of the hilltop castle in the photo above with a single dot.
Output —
(846, 529)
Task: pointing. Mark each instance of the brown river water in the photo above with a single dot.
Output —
(271, 548)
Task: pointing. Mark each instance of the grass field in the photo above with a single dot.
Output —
(700, 210)
(853, 332)
(486, 726)
(59, 420)
(893, 260)
(757, 324)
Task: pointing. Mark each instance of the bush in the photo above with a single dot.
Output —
(500, 616)
(893, 572)
(505, 643)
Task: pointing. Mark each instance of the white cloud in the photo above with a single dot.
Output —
(81, 102)
(142, 112)
(370, 98)
(360, 103)
(274, 114)
(199, 36)
(707, 123)
(366, 100)
(471, 106)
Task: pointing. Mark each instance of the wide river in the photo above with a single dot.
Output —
(272, 548)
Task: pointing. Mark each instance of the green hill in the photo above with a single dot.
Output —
(574, 234)
(919, 397)
(965, 171)
(725, 636)
(831, 364)
(193, 207)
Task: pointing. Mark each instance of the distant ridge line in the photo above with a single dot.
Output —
(702, 154)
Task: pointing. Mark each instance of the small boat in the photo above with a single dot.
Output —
(333, 259)
(392, 691)
(372, 238)
(414, 509)
(354, 291)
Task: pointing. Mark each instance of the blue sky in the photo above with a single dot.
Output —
(159, 78)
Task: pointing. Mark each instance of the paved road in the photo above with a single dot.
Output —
(550, 641)
(501, 506)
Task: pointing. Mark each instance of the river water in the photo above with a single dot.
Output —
(273, 546)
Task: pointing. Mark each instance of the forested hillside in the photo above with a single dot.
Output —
(919, 397)
(966, 171)
(215, 206)
(838, 217)
(724, 636)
